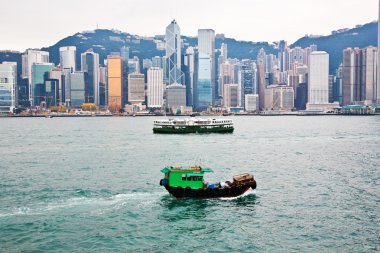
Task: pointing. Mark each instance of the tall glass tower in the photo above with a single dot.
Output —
(173, 52)
(204, 88)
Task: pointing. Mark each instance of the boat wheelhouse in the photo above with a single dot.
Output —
(193, 125)
(189, 182)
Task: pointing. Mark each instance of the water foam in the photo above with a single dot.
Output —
(110, 203)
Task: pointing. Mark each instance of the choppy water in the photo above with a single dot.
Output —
(91, 185)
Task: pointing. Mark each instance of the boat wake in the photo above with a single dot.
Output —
(92, 205)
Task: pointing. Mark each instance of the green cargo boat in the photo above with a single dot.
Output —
(189, 182)
(193, 125)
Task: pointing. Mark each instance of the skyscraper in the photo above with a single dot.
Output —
(318, 84)
(206, 46)
(351, 76)
(136, 88)
(155, 92)
(40, 73)
(115, 83)
(173, 52)
(67, 58)
(90, 66)
(77, 90)
(28, 59)
(124, 53)
(204, 88)
(8, 87)
(191, 65)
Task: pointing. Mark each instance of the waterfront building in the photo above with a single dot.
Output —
(351, 75)
(206, 46)
(124, 53)
(368, 79)
(318, 84)
(28, 59)
(77, 88)
(136, 88)
(359, 76)
(90, 67)
(301, 98)
(103, 88)
(231, 96)
(115, 83)
(57, 75)
(175, 97)
(155, 93)
(8, 87)
(251, 103)
(173, 52)
(40, 73)
(204, 90)
(67, 57)
(279, 98)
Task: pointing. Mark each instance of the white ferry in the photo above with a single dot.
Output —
(193, 125)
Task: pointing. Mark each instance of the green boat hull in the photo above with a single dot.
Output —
(192, 129)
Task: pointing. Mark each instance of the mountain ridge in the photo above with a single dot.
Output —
(105, 41)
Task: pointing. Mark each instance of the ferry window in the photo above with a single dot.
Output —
(183, 177)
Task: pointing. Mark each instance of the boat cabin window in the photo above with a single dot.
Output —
(191, 178)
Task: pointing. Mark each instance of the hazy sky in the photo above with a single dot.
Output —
(38, 23)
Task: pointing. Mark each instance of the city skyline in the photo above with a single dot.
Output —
(253, 21)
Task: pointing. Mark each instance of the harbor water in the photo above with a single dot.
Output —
(92, 185)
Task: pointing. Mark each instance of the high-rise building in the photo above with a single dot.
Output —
(206, 45)
(247, 79)
(173, 52)
(77, 90)
(175, 97)
(191, 70)
(251, 103)
(226, 75)
(28, 59)
(124, 53)
(40, 73)
(67, 57)
(223, 52)
(103, 88)
(155, 93)
(8, 87)
(318, 84)
(90, 67)
(279, 97)
(56, 74)
(261, 84)
(115, 83)
(204, 89)
(281, 50)
(368, 79)
(231, 95)
(136, 88)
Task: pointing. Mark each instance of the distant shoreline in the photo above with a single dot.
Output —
(152, 115)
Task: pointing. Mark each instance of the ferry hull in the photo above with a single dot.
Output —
(191, 129)
(226, 192)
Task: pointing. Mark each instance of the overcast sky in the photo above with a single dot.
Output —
(39, 23)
